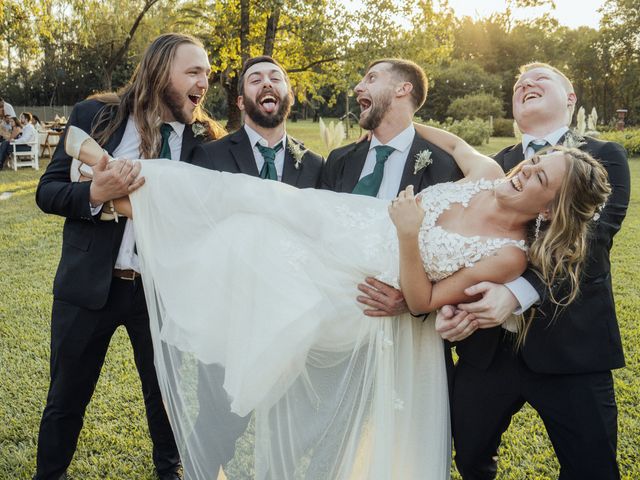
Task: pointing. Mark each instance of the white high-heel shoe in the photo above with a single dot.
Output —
(82, 148)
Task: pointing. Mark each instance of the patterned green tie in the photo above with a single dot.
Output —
(269, 154)
(538, 146)
(370, 185)
(165, 131)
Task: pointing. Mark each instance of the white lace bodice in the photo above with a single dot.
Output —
(444, 252)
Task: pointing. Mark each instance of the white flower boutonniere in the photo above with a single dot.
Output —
(423, 160)
(573, 140)
(198, 129)
(297, 151)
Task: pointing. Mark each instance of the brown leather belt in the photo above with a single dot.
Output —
(126, 274)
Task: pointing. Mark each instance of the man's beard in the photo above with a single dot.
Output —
(377, 111)
(268, 120)
(174, 101)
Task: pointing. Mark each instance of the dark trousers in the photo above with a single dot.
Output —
(579, 413)
(79, 342)
(215, 431)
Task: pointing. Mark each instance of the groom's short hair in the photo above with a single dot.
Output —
(563, 78)
(409, 72)
(253, 61)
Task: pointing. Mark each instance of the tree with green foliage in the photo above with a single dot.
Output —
(320, 42)
(478, 105)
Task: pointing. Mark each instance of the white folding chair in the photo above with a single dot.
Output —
(26, 158)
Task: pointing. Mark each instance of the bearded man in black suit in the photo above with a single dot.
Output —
(262, 147)
(97, 286)
(563, 368)
(390, 93)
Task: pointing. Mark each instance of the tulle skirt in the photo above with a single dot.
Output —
(251, 289)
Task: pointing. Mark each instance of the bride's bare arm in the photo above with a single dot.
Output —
(473, 164)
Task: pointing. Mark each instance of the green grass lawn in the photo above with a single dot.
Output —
(114, 442)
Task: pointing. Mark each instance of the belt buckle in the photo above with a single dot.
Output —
(130, 278)
(128, 274)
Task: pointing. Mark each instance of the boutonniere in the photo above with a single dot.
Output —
(198, 129)
(423, 160)
(297, 151)
(573, 140)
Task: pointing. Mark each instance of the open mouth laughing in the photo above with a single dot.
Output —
(365, 104)
(531, 96)
(268, 102)
(195, 98)
(515, 183)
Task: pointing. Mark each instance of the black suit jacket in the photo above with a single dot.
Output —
(234, 154)
(89, 246)
(583, 337)
(344, 166)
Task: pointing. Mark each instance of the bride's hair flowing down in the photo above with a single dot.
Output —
(253, 311)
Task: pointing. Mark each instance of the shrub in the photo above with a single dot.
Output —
(503, 127)
(478, 105)
(629, 139)
(474, 132)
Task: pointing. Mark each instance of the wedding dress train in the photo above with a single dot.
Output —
(258, 279)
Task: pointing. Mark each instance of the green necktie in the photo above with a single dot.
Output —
(269, 154)
(538, 146)
(165, 131)
(370, 185)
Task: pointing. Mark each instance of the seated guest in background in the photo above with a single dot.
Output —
(5, 126)
(26, 133)
(37, 123)
(14, 127)
(6, 112)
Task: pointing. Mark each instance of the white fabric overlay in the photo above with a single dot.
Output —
(254, 281)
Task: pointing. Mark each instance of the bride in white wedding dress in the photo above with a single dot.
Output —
(257, 279)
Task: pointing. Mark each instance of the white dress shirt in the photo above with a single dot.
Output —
(129, 148)
(394, 166)
(526, 295)
(28, 135)
(255, 138)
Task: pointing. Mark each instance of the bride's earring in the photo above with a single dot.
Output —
(539, 220)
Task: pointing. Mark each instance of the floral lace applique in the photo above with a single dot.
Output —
(444, 253)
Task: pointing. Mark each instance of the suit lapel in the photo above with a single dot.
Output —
(513, 157)
(188, 143)
(353, 165)
(290, 173)
(409, 176)
(242, 152)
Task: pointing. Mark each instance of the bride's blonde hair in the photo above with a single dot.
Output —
(142, 97)
(559, 251)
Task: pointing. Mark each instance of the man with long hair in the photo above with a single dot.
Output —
(97, 288)
(560, 359)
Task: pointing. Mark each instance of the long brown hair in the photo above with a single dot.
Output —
(141, 97)
(560, 249)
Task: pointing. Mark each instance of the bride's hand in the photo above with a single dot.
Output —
(406, 213)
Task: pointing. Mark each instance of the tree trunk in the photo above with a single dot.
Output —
(107, 79)
(234, 116)
(116, 58)
(272, 29)
(244, 31)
